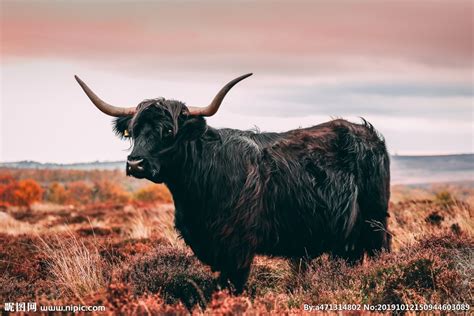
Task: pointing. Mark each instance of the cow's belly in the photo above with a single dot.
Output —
(294, 242)
(197, 239)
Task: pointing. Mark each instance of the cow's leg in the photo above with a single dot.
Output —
(237, 270)
(238, 277)
(223, 281)
(376, 236)
(374, 205)
(234, 280)
(352, 253)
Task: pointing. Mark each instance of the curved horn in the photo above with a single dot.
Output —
(212, 108)
(102, 105)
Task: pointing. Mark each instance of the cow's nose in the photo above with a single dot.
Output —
(135, 165)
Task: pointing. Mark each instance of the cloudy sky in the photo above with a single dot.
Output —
(406, 66)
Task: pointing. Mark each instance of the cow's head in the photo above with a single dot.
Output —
(157, 126)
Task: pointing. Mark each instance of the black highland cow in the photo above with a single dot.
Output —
(297, 194)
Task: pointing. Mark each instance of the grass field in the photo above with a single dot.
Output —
(99, 238)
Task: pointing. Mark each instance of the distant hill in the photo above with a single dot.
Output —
(430, 169)
(28, 164)
(405, 169)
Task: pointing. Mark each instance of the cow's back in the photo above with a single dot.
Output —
(315, 178)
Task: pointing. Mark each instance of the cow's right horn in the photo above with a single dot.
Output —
(212, 108)
(104, 106)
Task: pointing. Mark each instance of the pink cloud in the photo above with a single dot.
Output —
(427, 31)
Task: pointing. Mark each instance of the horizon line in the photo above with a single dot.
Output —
(117, 161)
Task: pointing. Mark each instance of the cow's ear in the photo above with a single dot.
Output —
(121, 126)
(192, 129)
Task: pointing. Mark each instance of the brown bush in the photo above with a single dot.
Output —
(56, 193)
(153, 193)
(80, 193)
(106, 191)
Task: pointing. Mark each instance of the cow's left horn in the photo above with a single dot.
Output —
(102, 105)
(212, 108)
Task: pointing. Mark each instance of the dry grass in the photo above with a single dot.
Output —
(14, 227)
(77, 269)
(165, 223)
(154, 222)
(140, 227)
(413, 219)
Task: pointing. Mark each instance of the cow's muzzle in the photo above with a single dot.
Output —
(136, 167)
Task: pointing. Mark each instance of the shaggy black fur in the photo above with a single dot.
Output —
(323, 189)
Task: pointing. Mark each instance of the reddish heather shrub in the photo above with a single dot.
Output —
(21, 193)
(428, 272)
(6, 178)
(118, 299)
(223, 303)
(23, 269)
(174, 273)
(126, 250)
